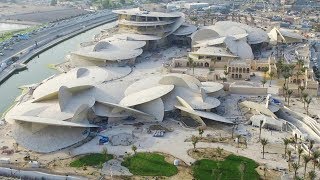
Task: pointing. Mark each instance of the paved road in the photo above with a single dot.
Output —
(25, 49)
(53, 30)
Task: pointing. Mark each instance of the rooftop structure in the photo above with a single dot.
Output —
(108, 51)
(236, 37)
(149, 23)
(138, 30)
(285, 36)
(77, 99)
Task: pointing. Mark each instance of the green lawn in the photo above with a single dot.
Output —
(91, 160)
(149, 164)
(229, 168)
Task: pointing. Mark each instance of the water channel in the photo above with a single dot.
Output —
(38, 67)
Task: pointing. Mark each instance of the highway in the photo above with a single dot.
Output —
(48, 36)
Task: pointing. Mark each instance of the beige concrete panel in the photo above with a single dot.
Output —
(119, 109)
(154, 107)
(52, 122)
(146, 95)
(35, 127)
(181, 80)
(207, 115)
(211, 87)
(64, 96)
(258, 107)
(170, 99)
(142, 84)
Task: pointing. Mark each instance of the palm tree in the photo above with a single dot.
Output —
(194, 140)
(304, 97)
(295, 141)
(289, 155)
(191, 64)
(134, 148)
(315, 157)
(300, 151)
(302, 88)
(289, 92)
(271, 75)
(295, 167)
(264, 142)
(306, 160)
(239, 137)
(279, 65)
(284, 91)
(312, 175)
(310, 146)
(260, 126)
(308, 100)
(286, 141)
(298, 74)
(263, 82)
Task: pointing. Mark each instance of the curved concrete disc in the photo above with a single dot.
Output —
(154, 107)
(207, 115)
(146, 95)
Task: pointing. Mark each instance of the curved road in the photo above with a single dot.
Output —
(49, 34)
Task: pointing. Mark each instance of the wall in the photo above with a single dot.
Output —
(248, 90)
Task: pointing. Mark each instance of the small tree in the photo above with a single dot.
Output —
(308, 100)
(302, 88)
(134, 149)
(264, 142)
(312, 175)
(219, 151)
(295, 167)
(286, 141)
(289, 155)
(295, 141)
(310, 146)
(304, 97)
(315, 157)
(239, 138)
(306, 160)
(263, 82)
(201, 131)
(289, 92)
(300, 151)
(105, 152)
(194, 140)
(271, 75)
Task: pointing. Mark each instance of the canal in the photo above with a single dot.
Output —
(38, 67)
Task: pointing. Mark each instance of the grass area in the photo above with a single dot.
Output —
(229, 168)
(91, 160)
(149, 164)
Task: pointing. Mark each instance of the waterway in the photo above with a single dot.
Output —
(38, 67)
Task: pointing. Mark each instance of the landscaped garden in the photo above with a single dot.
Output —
(149, 164)
(91, 160)
(233, 167)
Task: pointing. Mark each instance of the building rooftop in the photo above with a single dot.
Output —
(213, 51)
(114, 50)
(138, 12)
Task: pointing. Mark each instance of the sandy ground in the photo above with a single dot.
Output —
(32, 13)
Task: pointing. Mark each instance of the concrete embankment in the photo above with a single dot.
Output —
(31, 174)
(32, 52)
